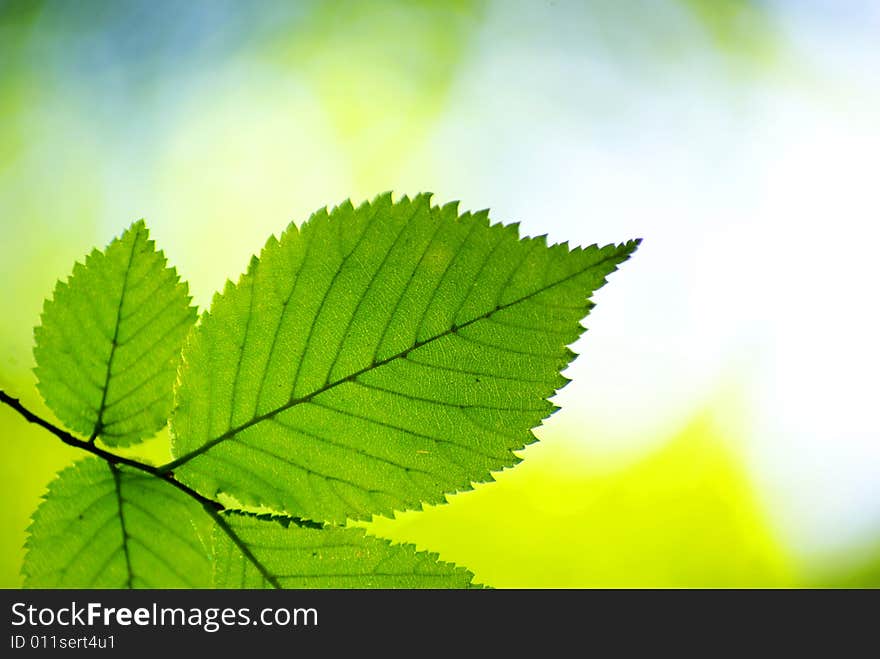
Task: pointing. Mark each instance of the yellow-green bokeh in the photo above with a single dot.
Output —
(220, 123)
(684, 516)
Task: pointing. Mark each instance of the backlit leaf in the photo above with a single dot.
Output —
(274, 552)
(378, 358)
(109, 341)
(107, 526)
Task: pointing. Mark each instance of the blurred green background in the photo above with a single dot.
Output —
(721, 429)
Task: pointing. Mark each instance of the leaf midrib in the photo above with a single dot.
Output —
(243, 548)
(125, 536)
(232, 432)
(114, 342)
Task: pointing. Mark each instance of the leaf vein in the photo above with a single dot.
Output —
(317, 317)
(369, 288)
(99, 424)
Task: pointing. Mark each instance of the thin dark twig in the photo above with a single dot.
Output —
(112, 458)
(213, 508)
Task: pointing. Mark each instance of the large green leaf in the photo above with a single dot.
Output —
(106, 526)
(378, 358)
(109, 341)
(274, 552)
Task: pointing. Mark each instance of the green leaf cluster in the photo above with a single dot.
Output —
(373, 359)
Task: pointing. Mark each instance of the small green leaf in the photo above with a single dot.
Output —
(107, 526)
(109, 341)
(379, 358)
(274, 552)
